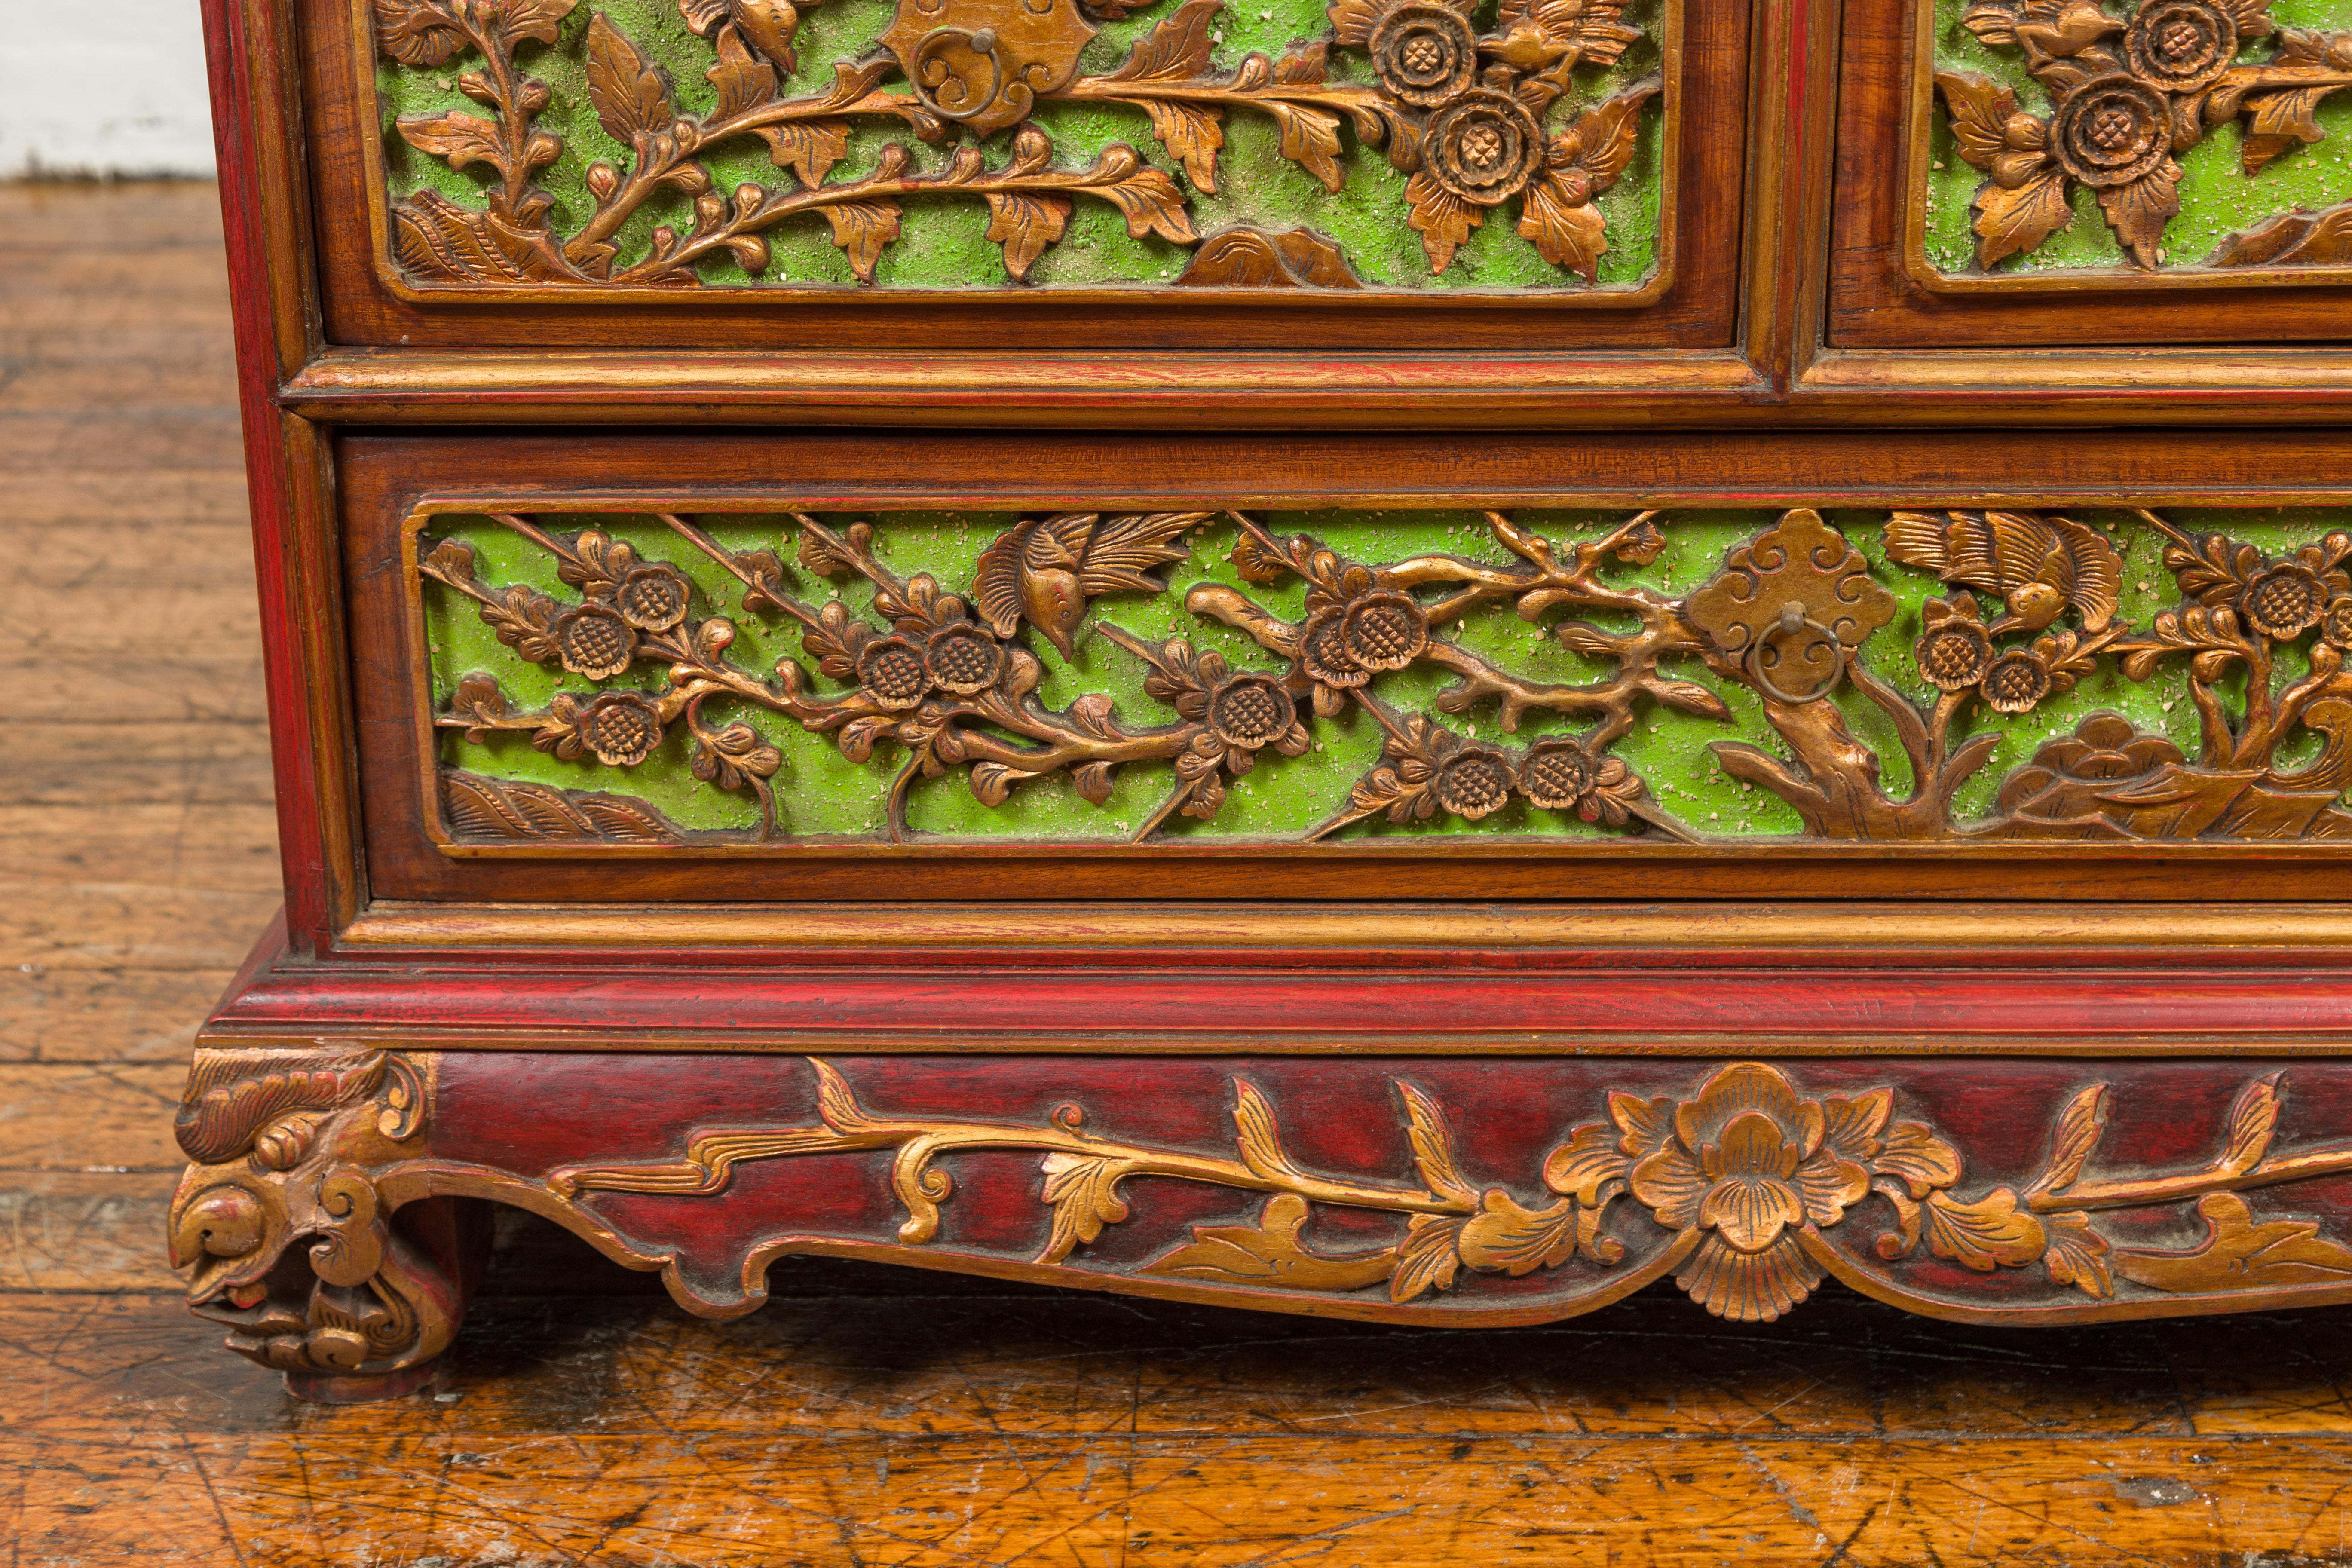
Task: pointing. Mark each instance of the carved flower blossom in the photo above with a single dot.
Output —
(622, 728)
(2336, 625)
(593, 642)
(1750, 1170)
(1955, 650)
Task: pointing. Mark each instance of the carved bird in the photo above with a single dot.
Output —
(1043, 570)
(2039, 565)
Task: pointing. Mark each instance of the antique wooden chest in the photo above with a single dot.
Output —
(1424, 660)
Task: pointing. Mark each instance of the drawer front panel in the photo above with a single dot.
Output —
(1121, 671)
(2016, 173)
(732, 175)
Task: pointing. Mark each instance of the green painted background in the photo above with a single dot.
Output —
(824, 794)
(2217, 198)
(944, 241)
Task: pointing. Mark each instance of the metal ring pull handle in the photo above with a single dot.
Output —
(1792, 623)
(931, 73)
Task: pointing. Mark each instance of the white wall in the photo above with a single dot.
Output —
(103, 87)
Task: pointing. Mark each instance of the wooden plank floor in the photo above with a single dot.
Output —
(869, 1417)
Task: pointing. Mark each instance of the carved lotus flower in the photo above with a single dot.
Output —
(1955, 650)
(1751, 1171)
(2336, 625)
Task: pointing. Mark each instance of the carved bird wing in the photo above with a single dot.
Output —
(1034, 544)
(2002, 551)
(996, 580)
(2095, 572)
(1956, 546)
(1124, 549)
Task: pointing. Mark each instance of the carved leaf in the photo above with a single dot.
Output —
(1443, 219)
(1271, 1254)
(1253, 258)
(2077, 1255)
(478, 807)
(2239, 1255)
(2253, 1116)
(2079, 1128)
(808, 147)
(436, 240)
(630, 93)
(417, 34)
(1259, 1139)
(1025, 224)
(2138, 212)
(1912, 1151)
(1177, 49)
(742, 80)
(462, 139)
(1428, 1258)
(1094, 782)
(1565, 233)
(1191, 134)
(1977, 107)
(1588, 1164)
(1311, 138)
(1309, 65)
(1990, 1233)
(2291, 239)
(1606, 134)
(862, 229)
(1148, 199)
(2011, 222)
(540, 21)
(1433, 1146)
(1506, 1237)
(1084, 1192)
(836, 1102)
(2277, 122)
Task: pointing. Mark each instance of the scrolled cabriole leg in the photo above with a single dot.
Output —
(292, 1247)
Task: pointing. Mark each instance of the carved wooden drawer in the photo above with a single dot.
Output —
(2035, 174)
(999, 636)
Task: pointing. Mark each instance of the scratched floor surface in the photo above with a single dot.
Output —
(869, 1416)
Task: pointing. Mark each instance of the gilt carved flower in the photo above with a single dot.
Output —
(621, 728)
(652, 599)
(1750, 1170)
(1955, 650)
(593, 642)
(891, 671)
(1484, 146)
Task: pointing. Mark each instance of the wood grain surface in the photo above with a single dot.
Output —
(868, 1416)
